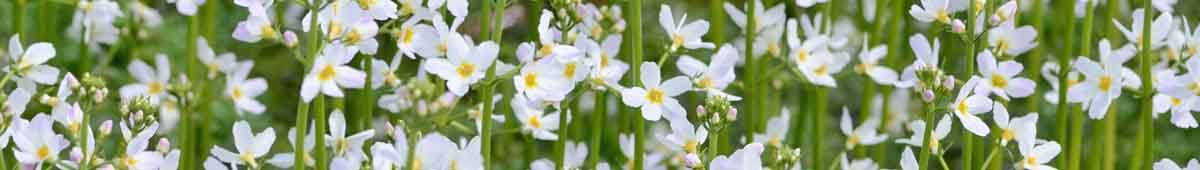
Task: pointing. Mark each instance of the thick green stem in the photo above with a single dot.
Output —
(18, 16)
(598, 121)
(1110, 120)
(819, 125)
(864, 111)
(488, 90)
(301, 131)
(635, 25)
(1064, 63)
(991, 155)
(752, 67)
(1146, 111)
(927, 146)
(321, 123)
(1076, 143)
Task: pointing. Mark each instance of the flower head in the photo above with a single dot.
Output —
(656, 96)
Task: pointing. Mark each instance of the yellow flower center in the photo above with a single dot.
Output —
(213, 68)
(774, 140)
(604, 61)
(1002, 45)
(248, 158)
(852, 141)
(535, 121)
(267, 31)
(676, 40)
(690, 146)
(1030, 160)
(999, 81)
(442, 47)
(1195, 87)
(43, 152)
(335, 29)
(1192, 51)
(655, 96)
(407, 37)
(416, 163)
(341, 145)
(129, 161)
(155, 88)
(1176, 101)
(802, 56)
(366, 4)
(1006, 134)
(453, 164)
(73, 127)
(961, 108)
(597, 31)
(236, 93)
(942, 16)
(407, 7)
(704, 82)
(531, 80)
(327, 73)
(354, 37)
(823, 69)
(773, 49)
(465, 70)
(1172, 54)
(1105, 83)
(546, 50)
(569, 71)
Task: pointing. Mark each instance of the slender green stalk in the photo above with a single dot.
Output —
(1076, 143)
(1147, 145)
(18, 16)
(927, 146)
(598, 121)
(895, 49)
(1064, 63)
(84, 130)
(991, 155)
(301, 131)
(635, 24)
(561, 144)
(968, 158)
(819, 125)
(321, 123)
(487, 91)
(1110, 120)
(190, 147)
(864, 110)
(717, 18)
(1035, 55)
(752, 67)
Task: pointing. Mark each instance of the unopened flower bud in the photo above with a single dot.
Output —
(691, 160)
(289, 39)
(732, 115)
(701, 111)
(76, 154)
(948, 82)
(164, 145)
(106, 127)
(927, 95)
(959, 27)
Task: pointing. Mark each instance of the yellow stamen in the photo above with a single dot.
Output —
(690, 146)
(1105, 83)
(569, 71)
(327, 73)
(236, 93)
(465, 70)
(1006, 134)
(267, 31)
(655, 96)
(535, 121)
(43, 152)
(998, 81)
(155, 88)
(531, 80)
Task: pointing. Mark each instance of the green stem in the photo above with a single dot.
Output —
(819, 124)
(601, 113)
(635, 24)
(717, 18)
(927, 145)
(864, 110)
(488, 90)
(320, 121)
(301, 131)
(942, 159)
(991, 155)
(1146, 110)
(752, 67)
(1076, 142)
(1035, 56)
(1064, 63)
(1110, 120)
(19, 18)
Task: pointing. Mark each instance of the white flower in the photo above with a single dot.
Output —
(330, 73)
(548, 41)
(1022, 128)
(763, 18)
(1010, 40)
(534, 120)
(868, 63)
(542, 81)
(187, 7)
(809, 3)
(1000, 79)
(1006, 12)
(1101, 84)
(37, 142)
(70, 116)
(777, 129)
(243, 90)
(1158, 30)
(858, 164)
(681, 34)
(380, 10)
(918, 138)
(657, 96)
(249, 146)
(573, 158)
(383, 73)
(686, 137)
(1178, 94)
(286, 160)
(802, 51)
(897, 110)
(1035, 157)
(435, 151)
(820, 69)
(397, 100)
(146, 15)
(152, 82)
(907, 160)
(464, 65)
(711, 78)
(342, 145)
(31, 63)
(391, 155)
(1050, 73)
(865, 134)
(254, 29)
(932, 10)
(966, 106)
(441, 34)
(16, 125)
(747, 158)
(94, 20)
(1167, 164)
(225, 63)
(926, 56)
(607, 69)
(410, 36)
(1164, 5)
(653, 160)
(136, 156)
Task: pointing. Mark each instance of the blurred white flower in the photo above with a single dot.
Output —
(151, 82)
(819, 70)
(249, 146)
(435, 151)
(146, 15)
(907, 160)
(94, 20)
(254, 29)
(1050, 73)
(1167, 164)
(1009, 40)
(391, 155)
(287, 160)
(187, 7)
(866, 134)
(70, 116)
(966, 106)
(343, 146)
(607, 69)
(918, 138)
(437, 42)
(30, 63)
(225, 63)
(243, 90)
(686, 137)
(657, 97)
(411, 35)
(1158, 30)
(464, 65)
(809, 3)
(932, 10)
(868, 63)
(1035, 157)
(1022, 128)
(534, 119)
(330, 73)
(682, 34)
(136, 156)
(763, 18)
(711, 78)
(777, 129)
(573, 158)
(747, 158)
(858, 164)
(1102, 82)
(379, 10)
(1179, 96)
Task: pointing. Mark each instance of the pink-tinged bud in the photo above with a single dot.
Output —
(164, 145)
(948, 82)
(959, 27)
(927, 95)
(995, 20)
(701, 111)
(289, 39)
(733, 113)
(692, 161)
(76, 154)
(106, 127)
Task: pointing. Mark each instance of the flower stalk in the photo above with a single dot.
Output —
(1146, 141)
(1076, 141)
(635, 26)
(488, 89)
(1064, 63)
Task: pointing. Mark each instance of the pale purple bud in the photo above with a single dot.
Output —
(732, 115)
(164, 145)
(289, 39)
(927, 95)
(691, 160)
(106, 127)
(76, 154)
(948, 82)
(700, 111)
(959, 27)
